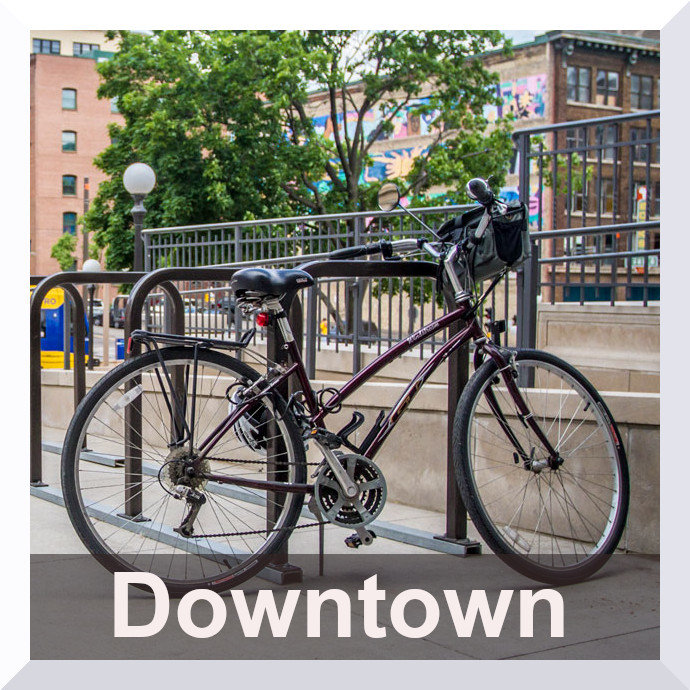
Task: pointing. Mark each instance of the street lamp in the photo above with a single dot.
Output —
(91, 266)
(139, 179)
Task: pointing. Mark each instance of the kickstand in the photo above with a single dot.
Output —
(321, 538)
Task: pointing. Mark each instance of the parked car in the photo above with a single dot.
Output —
(117, 311)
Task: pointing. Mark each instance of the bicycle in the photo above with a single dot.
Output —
(207, 473)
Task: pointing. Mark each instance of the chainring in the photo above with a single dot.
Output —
(348, 512)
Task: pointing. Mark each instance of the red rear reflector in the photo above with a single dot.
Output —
(262, 319)
(129, 345)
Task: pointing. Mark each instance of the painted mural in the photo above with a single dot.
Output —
(386, 165)
(404, 124)
(522, 98)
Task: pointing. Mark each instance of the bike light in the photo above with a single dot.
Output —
(262, 319)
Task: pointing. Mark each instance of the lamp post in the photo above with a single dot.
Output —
(139, 179)
(91, 266)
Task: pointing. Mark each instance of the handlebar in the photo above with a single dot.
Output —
(477, 189)
(384, 247)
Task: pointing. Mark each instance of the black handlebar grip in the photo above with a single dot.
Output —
(479, 190)
(353, 252)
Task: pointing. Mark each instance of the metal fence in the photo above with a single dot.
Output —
(593, 190)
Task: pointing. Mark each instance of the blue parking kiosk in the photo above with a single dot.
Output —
(52, 331)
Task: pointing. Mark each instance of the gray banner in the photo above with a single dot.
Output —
(614, 615)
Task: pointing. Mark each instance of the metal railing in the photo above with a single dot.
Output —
(594, 192)
(594, 240)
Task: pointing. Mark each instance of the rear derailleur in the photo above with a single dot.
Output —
(195, 499)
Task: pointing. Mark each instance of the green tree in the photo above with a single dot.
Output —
(434, 76)
(63, 251)
(227, 121)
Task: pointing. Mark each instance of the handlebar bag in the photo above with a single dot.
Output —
(504, 243)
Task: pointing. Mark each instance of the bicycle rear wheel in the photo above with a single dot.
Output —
(554, 525)
(119, 475)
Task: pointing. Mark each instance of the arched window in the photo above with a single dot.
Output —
(69, 223)
(69, 99)
(69, 185)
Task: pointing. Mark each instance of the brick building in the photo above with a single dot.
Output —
(559, 76)
(68, 129)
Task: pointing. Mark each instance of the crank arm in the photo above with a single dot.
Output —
(339, 472)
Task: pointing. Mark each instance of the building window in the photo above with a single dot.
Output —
(640, 152)
(113, 105)
(79, 49)
(69, 141)
(606, 136)
(579, 84)
(69, 99)
(69, 223)
(42, 45)
(576, 138)
(607, 87)
(69, 185)
(606, 196)
(641, 92)
(578, 197)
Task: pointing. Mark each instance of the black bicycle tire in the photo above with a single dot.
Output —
(474, 505)
(82, 524)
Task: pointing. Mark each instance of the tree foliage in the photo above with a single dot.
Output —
(227, 121)
(63, 251)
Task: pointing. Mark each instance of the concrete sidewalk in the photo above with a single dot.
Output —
(614, 615)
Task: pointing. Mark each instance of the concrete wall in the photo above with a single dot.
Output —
(413, 459)
(617, 347)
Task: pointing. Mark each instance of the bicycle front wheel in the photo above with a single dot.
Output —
(129, 448)
(555, 525)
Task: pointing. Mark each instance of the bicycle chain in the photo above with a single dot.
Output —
(257, 531)
(262, 462)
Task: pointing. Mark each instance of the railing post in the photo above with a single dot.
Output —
(66, 333)
(527, 282)
(528, 273)
(147, 250)
(356, 309)
(356, 305)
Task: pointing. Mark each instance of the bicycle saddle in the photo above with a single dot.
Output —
(269, 281)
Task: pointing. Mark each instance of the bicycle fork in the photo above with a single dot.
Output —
(508, 372)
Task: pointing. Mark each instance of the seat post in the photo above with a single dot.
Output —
(274, 307)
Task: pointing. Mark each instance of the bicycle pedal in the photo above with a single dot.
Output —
(354, 541)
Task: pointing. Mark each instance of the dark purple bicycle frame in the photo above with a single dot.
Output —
(472, 330)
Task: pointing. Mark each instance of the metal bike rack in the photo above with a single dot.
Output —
(456, 517)
(67, 281)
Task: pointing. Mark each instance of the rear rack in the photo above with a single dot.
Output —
(141, 336)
